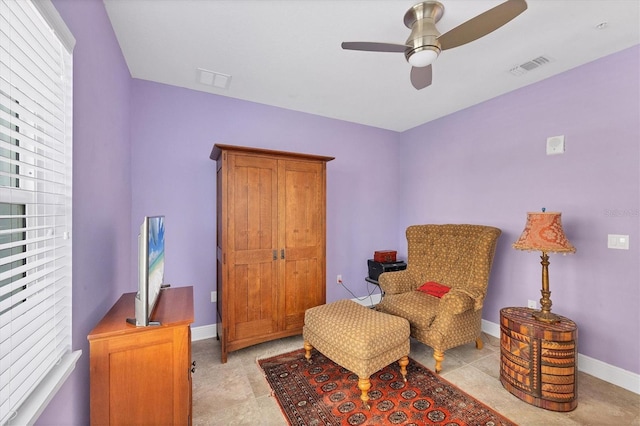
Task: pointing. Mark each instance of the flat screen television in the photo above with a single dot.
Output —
(150, 269)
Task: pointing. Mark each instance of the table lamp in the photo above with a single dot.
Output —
(543, 232)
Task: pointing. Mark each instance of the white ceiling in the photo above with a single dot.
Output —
(287, 53)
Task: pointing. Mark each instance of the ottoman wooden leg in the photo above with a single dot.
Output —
(439, 357)
(364, 385)
(404, 361)
(307, 351)
(479, 343)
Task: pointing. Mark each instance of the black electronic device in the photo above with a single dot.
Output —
(377, 268)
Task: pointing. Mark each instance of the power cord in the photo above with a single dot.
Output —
(371, 288)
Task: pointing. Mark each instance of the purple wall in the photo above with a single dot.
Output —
(173, 132)
(101, 191)
(488, 164)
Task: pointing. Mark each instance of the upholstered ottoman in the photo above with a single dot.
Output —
(357, 338)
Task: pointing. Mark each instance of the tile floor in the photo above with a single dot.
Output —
(236, 393)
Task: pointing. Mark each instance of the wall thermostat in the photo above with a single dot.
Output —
(555, 145)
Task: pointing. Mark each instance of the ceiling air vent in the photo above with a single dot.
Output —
(530, 65)
(215, 79)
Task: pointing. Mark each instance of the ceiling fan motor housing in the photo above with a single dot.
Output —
(421, 19)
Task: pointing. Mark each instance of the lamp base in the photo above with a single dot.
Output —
(547, 317)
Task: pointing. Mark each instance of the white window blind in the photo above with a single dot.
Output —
(35, 205)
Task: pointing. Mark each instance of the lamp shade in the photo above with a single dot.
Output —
(543, 232)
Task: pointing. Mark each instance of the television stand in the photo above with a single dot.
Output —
(142, 375)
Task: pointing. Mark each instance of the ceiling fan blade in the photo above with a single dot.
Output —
(482, 24)
(373, 46)
(421, 77)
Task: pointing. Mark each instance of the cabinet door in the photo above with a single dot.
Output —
(252, 238)
(135, 379)
(301, 202)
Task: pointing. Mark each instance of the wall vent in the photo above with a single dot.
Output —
(530, 65)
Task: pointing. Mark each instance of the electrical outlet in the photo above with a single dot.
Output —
(339, 279)
(532, 304)
(214, 296)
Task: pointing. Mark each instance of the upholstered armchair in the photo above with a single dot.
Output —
(451, 259)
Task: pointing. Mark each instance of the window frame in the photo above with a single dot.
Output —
(42, 393)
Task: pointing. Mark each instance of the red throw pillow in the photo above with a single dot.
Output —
(434, 289)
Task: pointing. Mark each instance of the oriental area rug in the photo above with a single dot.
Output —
(323, 393)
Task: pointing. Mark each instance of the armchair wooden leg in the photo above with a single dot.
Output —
(364, 385)
(439, 357)
(307, 351)
(404, 361)
(479, 343)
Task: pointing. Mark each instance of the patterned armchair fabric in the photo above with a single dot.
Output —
(457, 256)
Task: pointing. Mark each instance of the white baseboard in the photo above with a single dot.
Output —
(203, 332)
(603, 371)
(609, 373)
(491, 328)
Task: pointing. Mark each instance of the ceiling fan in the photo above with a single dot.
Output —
(425, 41)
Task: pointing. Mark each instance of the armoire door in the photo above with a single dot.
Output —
(301, 207)
(252, 238)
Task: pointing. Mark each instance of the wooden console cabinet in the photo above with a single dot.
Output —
(538, 360)
(270, 243)
(142, 375)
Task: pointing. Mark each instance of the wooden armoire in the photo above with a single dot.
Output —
(271, 227)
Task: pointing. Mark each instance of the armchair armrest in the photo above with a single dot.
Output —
(396, 282)
(459, 300)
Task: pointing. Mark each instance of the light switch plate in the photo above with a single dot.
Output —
(620, 242)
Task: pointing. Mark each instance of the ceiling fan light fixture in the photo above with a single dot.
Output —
(423, 56)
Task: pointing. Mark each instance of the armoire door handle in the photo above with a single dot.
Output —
(282, 254)
(275, 255)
